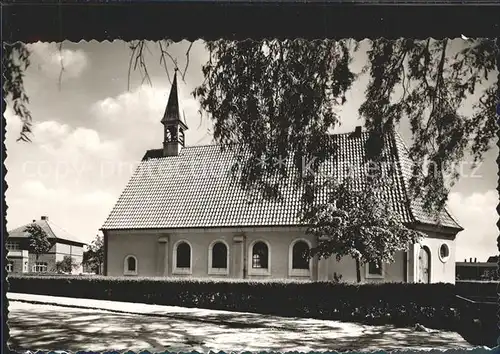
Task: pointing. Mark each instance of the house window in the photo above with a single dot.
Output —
(375, 270)
(25, 267)
(444, 252)
(40, 267)
(13, 246)
(182, 258)
(218, 258)
(130, 265)
(299, 260)
(10, 266)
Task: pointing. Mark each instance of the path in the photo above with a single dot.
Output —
(54, 323)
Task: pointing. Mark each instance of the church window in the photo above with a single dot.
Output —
(218, 258)
(260, 255)
(182, 258)
(130, 265)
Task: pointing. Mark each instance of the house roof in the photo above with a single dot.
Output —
(52, 230)
(195, 189)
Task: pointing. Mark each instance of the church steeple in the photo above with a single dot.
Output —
(173, 122)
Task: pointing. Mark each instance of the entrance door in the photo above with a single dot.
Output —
(424, 260)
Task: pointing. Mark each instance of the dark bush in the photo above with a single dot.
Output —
(402, 304)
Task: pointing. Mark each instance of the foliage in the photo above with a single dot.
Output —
(66, 265)
(278, 99)
(38, 242)
(431, 305)
(15, 61)
(94, 256)
(358, 221)
(436, 80)
(275, 100)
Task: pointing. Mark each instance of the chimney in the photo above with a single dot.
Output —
(470, 259)
(475, 260)
(465, 260)
(34, 220)
(45, 217)
(357, 131)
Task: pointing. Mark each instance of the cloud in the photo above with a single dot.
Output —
(61, 140)
(144, 107)
(36, 189)
(50, 60)
(477, 214)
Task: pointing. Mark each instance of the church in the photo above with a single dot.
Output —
(182, 215)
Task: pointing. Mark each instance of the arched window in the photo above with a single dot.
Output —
(300, 255)
(260, 255)
(299, 261)
(10, 266)
(130, 265)
(219, 255)
(182, 258)
(218, 258)
(183, 255)
(259, 258)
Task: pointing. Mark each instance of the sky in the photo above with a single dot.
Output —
(91, 130)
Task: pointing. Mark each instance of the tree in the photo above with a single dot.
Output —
(277, 100)
(15, 61)
(38, 242)
(94, 256)
(279, 97)
(358, 222)
(66, 265)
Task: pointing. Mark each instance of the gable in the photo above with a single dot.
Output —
(195, 189)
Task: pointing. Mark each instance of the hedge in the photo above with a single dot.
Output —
(478, 289)
(401, 304)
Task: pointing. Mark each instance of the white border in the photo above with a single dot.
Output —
(176, 270)
(444, 259)
(259, 271)
(218, 271)
(374, 276)
(125, 265)
(298, 272)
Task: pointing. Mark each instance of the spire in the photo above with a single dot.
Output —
(173, 112)
(174, 123)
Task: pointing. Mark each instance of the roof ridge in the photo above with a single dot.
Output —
(217, 144)
(50, 228)
(63, 229)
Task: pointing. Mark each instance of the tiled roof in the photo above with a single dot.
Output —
(53, 231)
(195, 189)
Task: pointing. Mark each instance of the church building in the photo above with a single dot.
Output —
(182, 215)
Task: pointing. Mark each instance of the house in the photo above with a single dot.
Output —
(20, 260)
(182, 215)
(474, 270)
